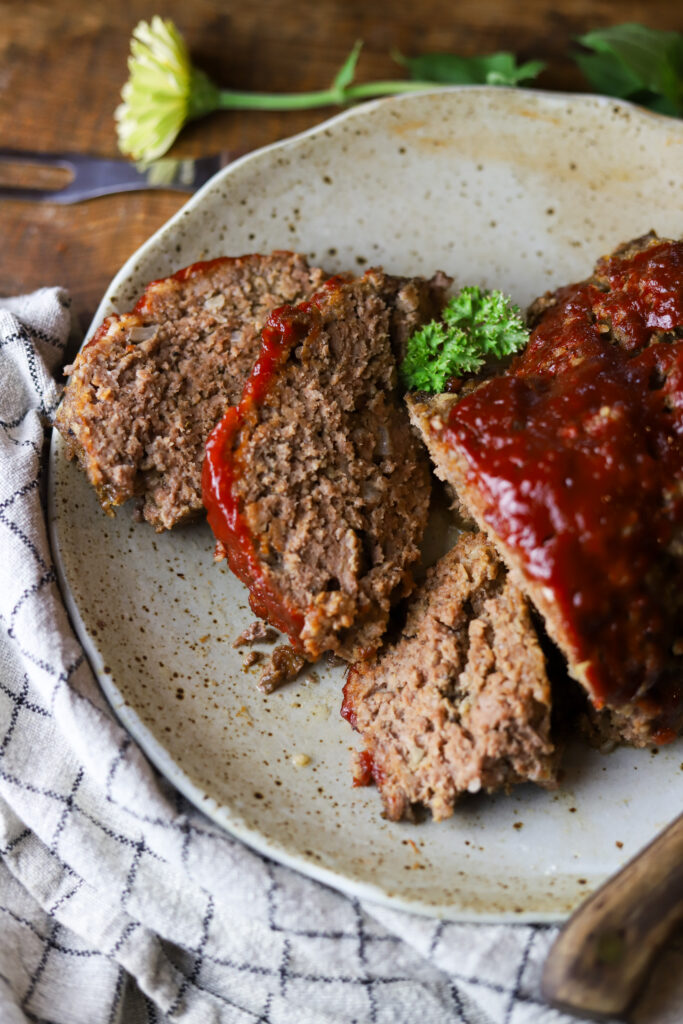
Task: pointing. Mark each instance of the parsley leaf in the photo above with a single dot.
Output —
(636, 63)
(475, 323)
(449, 69)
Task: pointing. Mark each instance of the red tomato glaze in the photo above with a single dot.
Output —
(284, 329)
(577, 453)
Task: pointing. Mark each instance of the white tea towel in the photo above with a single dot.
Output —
(121, 902)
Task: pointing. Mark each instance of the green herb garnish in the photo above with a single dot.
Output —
(450, 69)
(474, 324)
(637, 63)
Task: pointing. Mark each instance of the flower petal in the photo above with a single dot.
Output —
(157, 98)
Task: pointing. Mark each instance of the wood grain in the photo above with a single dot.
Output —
(62, 66)
(599, 963)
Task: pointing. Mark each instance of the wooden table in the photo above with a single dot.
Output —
(62, 65)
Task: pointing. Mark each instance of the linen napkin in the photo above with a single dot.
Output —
(119, 902)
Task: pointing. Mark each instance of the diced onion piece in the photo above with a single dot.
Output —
(142, 333)
(214, 303)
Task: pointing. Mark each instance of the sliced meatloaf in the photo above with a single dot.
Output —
(146, 390)
(461, 703)
(572, 462)
(315, 484)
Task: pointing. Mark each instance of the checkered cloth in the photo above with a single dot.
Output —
(118, 900)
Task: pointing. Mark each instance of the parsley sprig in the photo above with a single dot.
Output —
(475, 324)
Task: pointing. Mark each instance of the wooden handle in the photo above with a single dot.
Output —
(599, 962)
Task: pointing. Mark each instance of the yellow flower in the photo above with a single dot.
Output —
(162, 93)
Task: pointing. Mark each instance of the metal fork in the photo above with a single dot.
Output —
(96, 176)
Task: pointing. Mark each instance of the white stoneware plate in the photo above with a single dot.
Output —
(506, 188)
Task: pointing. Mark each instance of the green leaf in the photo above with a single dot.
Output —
(635, 62)
(450, 69)
(475, 324)
(607, 75)
(660, 104)
(344, 76)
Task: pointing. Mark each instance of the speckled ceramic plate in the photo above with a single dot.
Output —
(513, 189)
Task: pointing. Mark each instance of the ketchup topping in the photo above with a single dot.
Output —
(577, 456)
(348, 710)
(368, 771)
(285, 328)
(102, 330)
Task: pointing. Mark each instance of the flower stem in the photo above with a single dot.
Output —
(391, 88)
(229, 100)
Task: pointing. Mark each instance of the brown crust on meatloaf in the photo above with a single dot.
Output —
(146, 390)
(328, 487)
(617, 310)
(461, 702)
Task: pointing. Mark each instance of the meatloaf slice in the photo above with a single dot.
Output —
(147, 389)
(461, 702)
(315, 484)
(572, 462)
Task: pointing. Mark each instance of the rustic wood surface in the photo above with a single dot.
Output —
(606, 950)
(62, 65)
